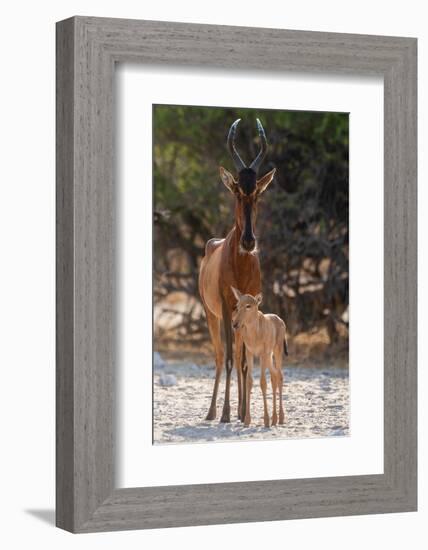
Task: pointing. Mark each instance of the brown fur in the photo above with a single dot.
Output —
(264, 336)
(227, 263)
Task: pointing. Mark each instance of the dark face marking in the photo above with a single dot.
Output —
(247, 181)
(248, 240)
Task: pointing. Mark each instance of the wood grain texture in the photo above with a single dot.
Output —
(87, 50)
(64, 277)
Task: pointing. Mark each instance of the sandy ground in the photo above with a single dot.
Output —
(316, 402)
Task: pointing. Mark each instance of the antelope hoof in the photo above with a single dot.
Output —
(267, 422)
(274, 420)
(247, 421)
(212, 413)
(281, 418)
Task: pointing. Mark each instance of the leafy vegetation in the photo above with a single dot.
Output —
(302, 221)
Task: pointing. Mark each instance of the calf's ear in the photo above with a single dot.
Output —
(259, 298)
(236, 293)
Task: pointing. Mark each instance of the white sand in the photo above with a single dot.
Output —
(316, 402)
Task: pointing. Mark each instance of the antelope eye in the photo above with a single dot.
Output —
(248, 306)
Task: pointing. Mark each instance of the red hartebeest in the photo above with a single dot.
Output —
(233, 261)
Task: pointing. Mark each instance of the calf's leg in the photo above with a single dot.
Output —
(249, 385)
(244, 371)
(263, 366)
(274, 382)
(239, 351)
(278, 365)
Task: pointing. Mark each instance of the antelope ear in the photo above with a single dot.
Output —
(263, 182)
(228, 180)
(259, 298)
(236, 293)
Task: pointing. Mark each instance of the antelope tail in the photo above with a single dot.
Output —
(285, 345)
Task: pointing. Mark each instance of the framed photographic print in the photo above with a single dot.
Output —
(236, 274)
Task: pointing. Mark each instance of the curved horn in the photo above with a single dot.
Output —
(255, 165)
(239, 164)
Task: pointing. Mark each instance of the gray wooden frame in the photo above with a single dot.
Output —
(87, 50)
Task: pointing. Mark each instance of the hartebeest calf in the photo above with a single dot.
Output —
(233, 261)
(264, 336)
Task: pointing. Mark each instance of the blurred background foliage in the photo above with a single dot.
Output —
(302, 222)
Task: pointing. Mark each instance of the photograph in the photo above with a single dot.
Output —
(250, 274)
(210, 275)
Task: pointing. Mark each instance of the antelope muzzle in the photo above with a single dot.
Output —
(248, 243)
